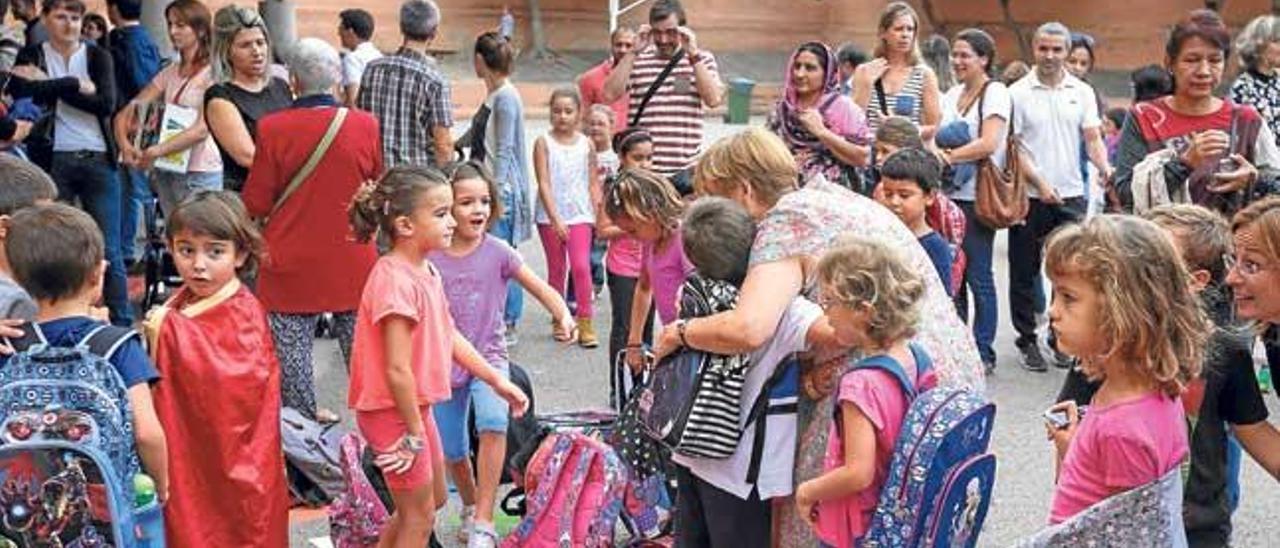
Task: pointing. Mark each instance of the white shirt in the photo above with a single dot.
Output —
(353, 63)
(73, 129)
(779, 451)
(1050, 121)
(994, 104)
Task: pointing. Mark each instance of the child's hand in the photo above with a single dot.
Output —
(565, 328)
(1061, 437)
(397, 460)
(805, 505)
(515, 397)
(635, 359)
(560, 229)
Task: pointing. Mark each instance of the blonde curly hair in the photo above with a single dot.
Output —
(860, 271)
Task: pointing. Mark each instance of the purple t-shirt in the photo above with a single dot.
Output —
(667, 268)
(476, 286)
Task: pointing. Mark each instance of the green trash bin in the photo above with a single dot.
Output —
(740, 100)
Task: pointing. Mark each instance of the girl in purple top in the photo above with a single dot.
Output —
(475, 270)
(647, 207)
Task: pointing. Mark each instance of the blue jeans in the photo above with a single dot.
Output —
(91, 178)
(979, 279)
(135, 194)
(504, 230)
(451, 416)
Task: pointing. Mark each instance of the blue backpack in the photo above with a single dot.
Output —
(941, 475)
(67, 451)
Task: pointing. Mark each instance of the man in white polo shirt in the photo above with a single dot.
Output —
(1052, 109)
(355, 30)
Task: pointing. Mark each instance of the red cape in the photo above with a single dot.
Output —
(219, 402)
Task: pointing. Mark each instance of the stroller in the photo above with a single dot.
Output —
(160, 274)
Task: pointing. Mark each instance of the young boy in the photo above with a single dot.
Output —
(908, 179)
(718, 504)
(22, 185)
(1225, 399)
(57, 255)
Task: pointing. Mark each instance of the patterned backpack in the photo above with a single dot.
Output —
(68, 459)
(574, 485)
(941, 475)
(948, 220)
(357, 515)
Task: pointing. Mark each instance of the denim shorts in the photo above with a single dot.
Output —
(451, 416)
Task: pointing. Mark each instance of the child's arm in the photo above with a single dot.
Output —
(1262, 441)
(641, 301)
(465, 355)
(594, 186)
(550, 300)
(859, 468)
(542, 172)
(149, 436)
(397, 344)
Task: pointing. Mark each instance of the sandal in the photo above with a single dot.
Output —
(325, 416)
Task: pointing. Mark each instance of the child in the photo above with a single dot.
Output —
(647, 207)
(56, 254)
(404, 341)
(474, 270)
(1225, 398)
(1108, 274)
(214, 332)
(908, 187)
(600, 130)
(568, 189)
(870, 299)
(22, 185)
(717, 504)
(635, 150)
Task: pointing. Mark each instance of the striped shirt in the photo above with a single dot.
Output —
(907, 102)
(674, 115)
(409, 96)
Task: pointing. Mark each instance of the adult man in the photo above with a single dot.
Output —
(673, 115)
(81, 91)
(137, 60)
(409, 95)
(591, 83)
(848, 57)
(29, 12)
(1052, 109)
(355, 28)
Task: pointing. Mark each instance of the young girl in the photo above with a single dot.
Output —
(870, 299)
(404, 342)
(1108, 274)
(474, 270)
(568, 187)
(647, 207)
(634, 148)
(214, 332)
(600, 130)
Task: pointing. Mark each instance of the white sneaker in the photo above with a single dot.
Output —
(468, 516)
(483, 536)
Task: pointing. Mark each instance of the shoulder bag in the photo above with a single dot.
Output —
(1001, 199)
(312, 161)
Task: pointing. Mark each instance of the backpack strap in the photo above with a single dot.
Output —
(105, 340)
(884, 105)
(760, 411)
(31, 336)
(657, 83)
(886, 363)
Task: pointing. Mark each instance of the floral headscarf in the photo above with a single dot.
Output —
(790, 127)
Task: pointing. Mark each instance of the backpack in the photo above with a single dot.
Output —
(357, 515)
(312, 458)
(575, 485)
(948, 220)
(941, 476)
(68, 459)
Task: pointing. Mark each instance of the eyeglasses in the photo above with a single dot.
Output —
(1245, 267)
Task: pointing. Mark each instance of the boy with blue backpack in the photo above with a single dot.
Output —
(56, 254)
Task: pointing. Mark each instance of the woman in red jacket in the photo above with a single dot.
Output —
(313, 265)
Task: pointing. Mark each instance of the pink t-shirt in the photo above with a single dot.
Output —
(879, 396)
(189, 92)
(667, 268)
(396, 287)
(625, 254)
(1119, 447)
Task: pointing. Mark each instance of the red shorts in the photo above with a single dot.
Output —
(384, 427)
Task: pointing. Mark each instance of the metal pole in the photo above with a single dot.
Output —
(153, 20)
(613, 16)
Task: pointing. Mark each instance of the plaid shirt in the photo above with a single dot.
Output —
(409, 96)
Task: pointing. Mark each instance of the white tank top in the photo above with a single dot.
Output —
(568, 166)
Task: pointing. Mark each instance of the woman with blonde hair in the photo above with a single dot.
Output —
(795, 226)
(897, 81)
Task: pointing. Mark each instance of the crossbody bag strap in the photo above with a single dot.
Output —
(657, 82)
(884, 105)
(313, 161)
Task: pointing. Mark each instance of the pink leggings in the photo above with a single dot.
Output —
(579, 252)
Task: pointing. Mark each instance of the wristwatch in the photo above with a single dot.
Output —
(414, 444)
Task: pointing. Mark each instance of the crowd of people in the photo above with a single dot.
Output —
(333, 193)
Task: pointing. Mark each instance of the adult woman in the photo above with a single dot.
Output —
(314, 265)
(795, 227)
(94, 29)
(937, 54)
(1254, 276)
(825, 131)
(980, 106)
(180, 85)
(1258, 85)
(896, 82)
(244, 91)
(1192, 145)
(496, 137)
(1080, 61)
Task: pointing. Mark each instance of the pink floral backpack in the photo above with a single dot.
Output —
(356, 516)
(574, 485)
(948, 220)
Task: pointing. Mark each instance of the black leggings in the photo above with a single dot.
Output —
(621, 291)
(707, 516)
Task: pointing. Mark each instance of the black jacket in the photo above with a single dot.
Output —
(46, 93)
